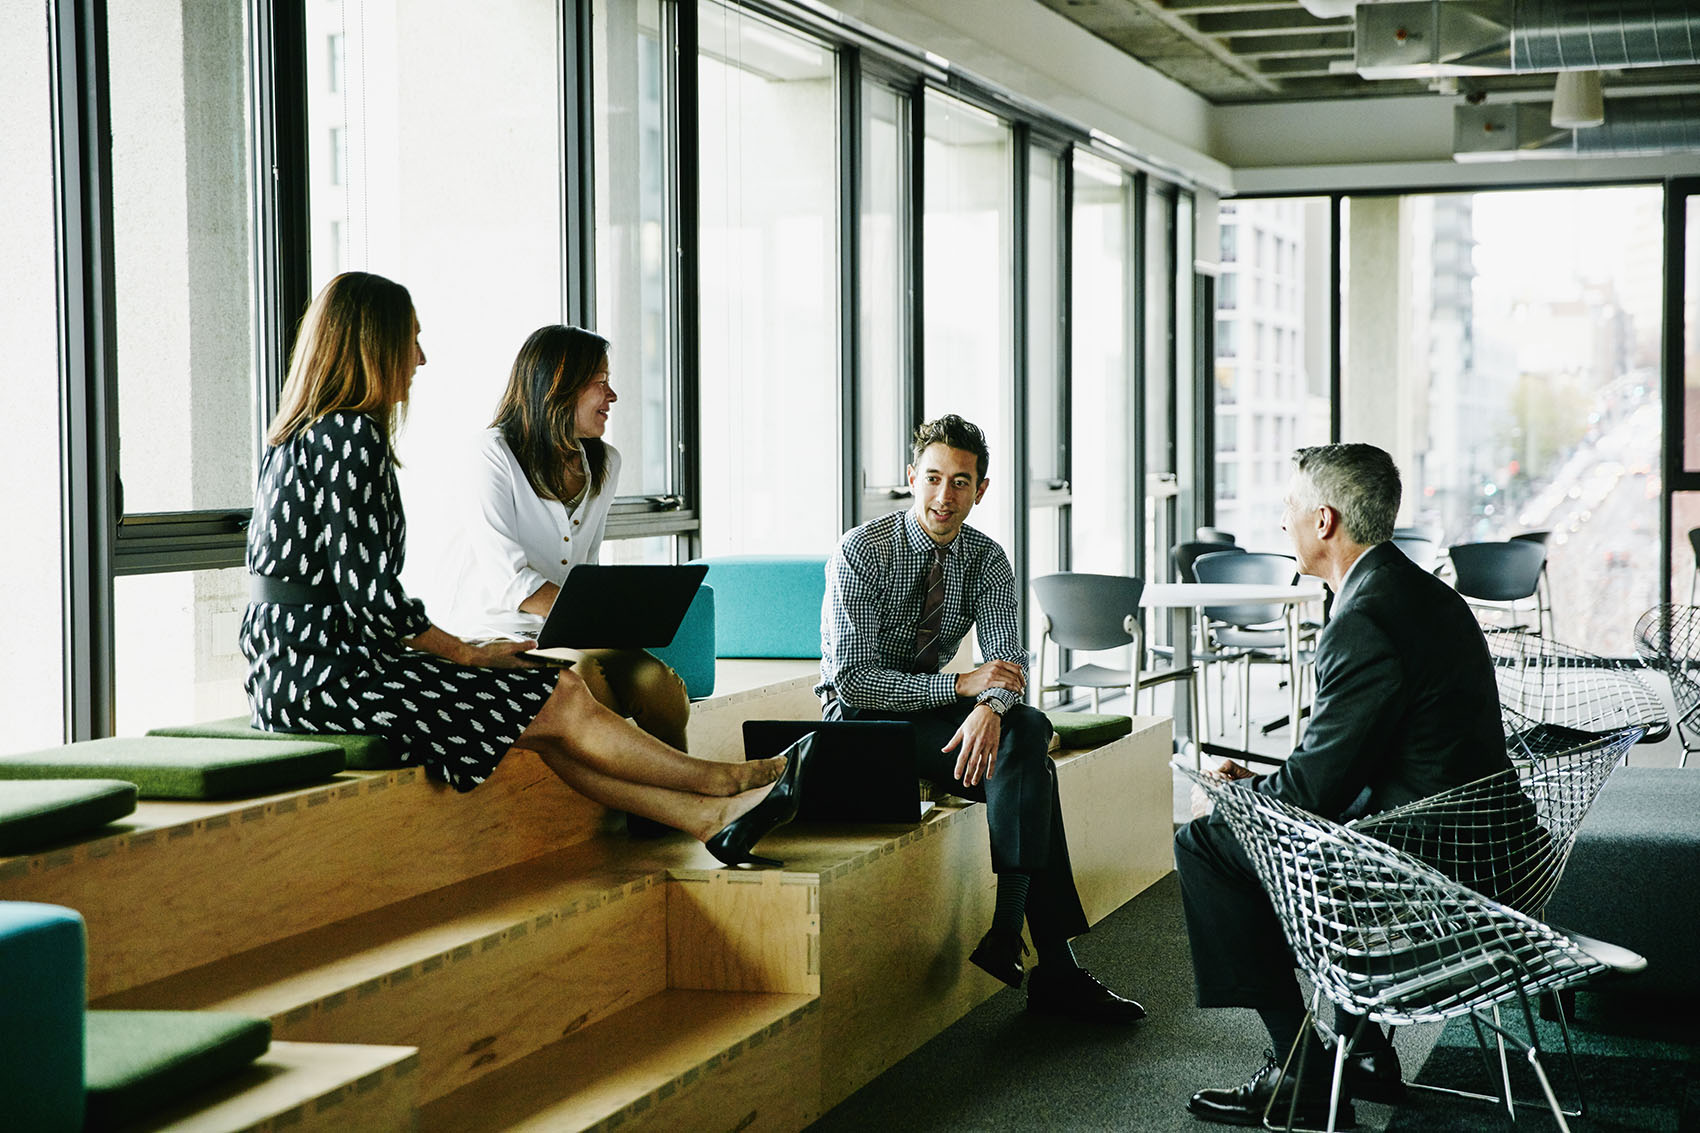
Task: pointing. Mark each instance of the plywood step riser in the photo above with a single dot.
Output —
(167, 900)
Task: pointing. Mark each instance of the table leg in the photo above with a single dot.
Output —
(1180, 630)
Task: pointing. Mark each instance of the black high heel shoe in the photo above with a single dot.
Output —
(732, 844)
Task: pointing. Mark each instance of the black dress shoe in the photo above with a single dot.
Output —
(1000, 957)
(1074, 992)
(779, 806)
(1245, 1105)
(1375, 1076)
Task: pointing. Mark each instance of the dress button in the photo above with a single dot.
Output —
(575, 523)
(563, 562)
(566, 538)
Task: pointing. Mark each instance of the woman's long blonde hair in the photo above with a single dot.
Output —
(352, 353)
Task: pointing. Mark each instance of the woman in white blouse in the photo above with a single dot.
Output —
(542, 483)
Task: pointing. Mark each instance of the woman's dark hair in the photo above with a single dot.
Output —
(538, 409)
(351, 353)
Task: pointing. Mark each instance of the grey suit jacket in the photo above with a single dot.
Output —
(1406, 704)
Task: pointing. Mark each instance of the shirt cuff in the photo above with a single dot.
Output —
(1005, 699)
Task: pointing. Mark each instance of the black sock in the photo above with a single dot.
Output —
(1373, 1037)
(1284, 1025)
(1012, 904)
(1055, 954)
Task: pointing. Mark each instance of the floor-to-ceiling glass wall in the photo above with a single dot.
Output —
(1157, 387)
(884, 342)
(1685, 505)
(1102, 369)
(31, 677)
(183, 266)
(435, 160)
(768, 286)
(1514, 378)
(1272, 358)
(636, 240)
(968, 230)
(1047, 439)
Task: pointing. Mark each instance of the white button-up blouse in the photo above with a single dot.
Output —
(514, 541)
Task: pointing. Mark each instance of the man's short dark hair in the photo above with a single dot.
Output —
(1359, 481)
(953, 431)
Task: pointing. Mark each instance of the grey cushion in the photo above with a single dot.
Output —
(364, 753)
(171, 768)
(41, 812)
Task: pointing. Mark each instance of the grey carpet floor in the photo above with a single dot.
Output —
(999, 1068)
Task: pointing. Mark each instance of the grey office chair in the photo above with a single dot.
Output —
(1094, 612)
(1248, 632)
(1204, 655)
(1667, 639)
(1394, 941)
(1214, 535)
(1497, 576)
(1543, 584)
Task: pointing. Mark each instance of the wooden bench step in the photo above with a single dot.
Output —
(476, 975)
(305, 1088)
(678, 1060)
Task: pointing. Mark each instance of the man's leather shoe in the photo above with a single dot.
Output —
(1245, 1105)
(733, 843)
(1000, 957)
(1074, 992)
(1375, 1076)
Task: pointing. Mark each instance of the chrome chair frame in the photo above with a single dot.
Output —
(1395, 941)
(1548, 682)
(1667, 638)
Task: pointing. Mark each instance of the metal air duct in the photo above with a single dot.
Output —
(1634, 127)
(1433, 38)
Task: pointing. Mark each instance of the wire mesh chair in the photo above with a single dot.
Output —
(1667, 638)
(1394, 941)
(1551, 683)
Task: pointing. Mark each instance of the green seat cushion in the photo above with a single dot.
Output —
(169, 767)
(1087, 729)
(364, 753)
(39, 812)
(138, 1061)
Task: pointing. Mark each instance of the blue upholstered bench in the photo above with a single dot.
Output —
(767, 605)
(63, 1069)
(1630, 879)
(691, 652)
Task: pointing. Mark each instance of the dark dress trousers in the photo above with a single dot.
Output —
(1406, 707)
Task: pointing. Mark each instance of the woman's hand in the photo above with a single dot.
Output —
(499, 655)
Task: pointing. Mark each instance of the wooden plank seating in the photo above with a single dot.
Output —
(552, 972)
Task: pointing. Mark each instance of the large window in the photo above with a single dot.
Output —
(1271, 370)
(1513, 377)
(885, 342)
(31, 680)
(636, 238)
(1048, 499)
(969, 229)
(1102, 368)
(446, 135)
(768, 287)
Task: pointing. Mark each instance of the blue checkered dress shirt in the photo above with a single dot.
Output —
(876, 583)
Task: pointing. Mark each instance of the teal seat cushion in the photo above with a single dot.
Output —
(767, 605)
(40, 812)
(691, 652)
(363, 753)
(41, 1017)
(139, 1061)
(164, 767)
(1077, 730)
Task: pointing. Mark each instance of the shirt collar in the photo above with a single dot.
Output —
(920, 540)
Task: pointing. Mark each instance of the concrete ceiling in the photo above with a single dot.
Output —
(1251, 51)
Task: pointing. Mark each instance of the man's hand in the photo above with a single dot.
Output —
(499, 655)
(993, 674)
(978, 739)
(1227, 772)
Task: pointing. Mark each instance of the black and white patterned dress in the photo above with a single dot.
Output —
(327, 512)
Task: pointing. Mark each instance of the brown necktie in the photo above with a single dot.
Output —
(932, 618)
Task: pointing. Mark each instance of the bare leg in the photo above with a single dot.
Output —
(699, 815)
(574, 726)
(644, 688)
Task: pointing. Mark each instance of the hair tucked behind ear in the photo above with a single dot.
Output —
(351, 353)
(538, 409)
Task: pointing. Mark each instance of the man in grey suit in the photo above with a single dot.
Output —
(1406, 707)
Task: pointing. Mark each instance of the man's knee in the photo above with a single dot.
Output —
(1027, 730)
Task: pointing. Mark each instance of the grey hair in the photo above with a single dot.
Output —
(1358, 481)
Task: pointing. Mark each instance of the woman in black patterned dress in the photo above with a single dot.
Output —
(335, 645)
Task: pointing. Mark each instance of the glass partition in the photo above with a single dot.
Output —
(768, 287)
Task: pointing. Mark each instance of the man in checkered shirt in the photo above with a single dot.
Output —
(885, 633)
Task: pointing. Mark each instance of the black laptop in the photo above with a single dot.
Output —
(858, 771)
(618, 607)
